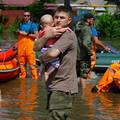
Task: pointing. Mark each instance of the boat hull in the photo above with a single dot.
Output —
(103, 60)
(9, 70)
(8, 54)
(6, 75)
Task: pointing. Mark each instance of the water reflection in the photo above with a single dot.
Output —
(27, 99)
(103, 106)
(0, 98)
(109, 106)
(9, 92)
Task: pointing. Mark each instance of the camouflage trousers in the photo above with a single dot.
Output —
(83, 68)
(59, 105)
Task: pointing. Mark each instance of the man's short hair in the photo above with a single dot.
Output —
(88, 16)
(64, 9)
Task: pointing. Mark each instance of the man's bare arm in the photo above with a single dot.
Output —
(98, 42)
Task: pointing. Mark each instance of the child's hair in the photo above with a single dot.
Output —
(46, 19)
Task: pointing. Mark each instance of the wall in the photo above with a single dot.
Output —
(11, 16)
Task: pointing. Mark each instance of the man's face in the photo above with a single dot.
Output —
(62, 19)
(26, 16)
(91, 21)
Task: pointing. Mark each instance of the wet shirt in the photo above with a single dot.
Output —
(29, 27)
(64, 78)
(84, 42)
(94, 34)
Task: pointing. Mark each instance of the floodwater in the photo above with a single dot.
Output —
(26, 100)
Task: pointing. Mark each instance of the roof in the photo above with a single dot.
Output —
(86, 2)
(97, 2)
(78, 3)
(17, 2)
(97, 5)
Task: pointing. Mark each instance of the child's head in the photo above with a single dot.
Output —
(47, 20)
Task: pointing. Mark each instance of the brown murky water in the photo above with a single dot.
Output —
(26, 100)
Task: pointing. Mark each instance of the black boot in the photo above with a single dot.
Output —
(94, 89)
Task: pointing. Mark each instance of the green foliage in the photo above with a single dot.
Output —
(1, 32)
(37, 8)
(50, 1)
(13, 27)
(1, 28)
(11, 30)
(74, 0)
(109, 26)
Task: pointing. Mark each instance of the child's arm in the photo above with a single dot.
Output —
(50, 69)
(50, 33)
(48, 72)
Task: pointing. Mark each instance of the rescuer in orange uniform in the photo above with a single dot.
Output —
(26, 35)
(110, 80)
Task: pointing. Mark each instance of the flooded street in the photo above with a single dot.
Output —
(26, 100)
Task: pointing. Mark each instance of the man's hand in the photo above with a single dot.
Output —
(17, 31)
(21, 32)
(107, 49)
(54, 32)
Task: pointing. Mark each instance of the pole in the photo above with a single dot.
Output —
(67, 4)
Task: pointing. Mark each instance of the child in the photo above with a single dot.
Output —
(47, 22)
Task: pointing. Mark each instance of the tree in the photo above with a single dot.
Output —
(50, 1)
(37, 9)
(1, 4)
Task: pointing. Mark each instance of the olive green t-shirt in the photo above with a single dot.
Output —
(84, 43)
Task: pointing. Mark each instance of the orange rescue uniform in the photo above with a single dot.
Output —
(26, 54)
(111, 78)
